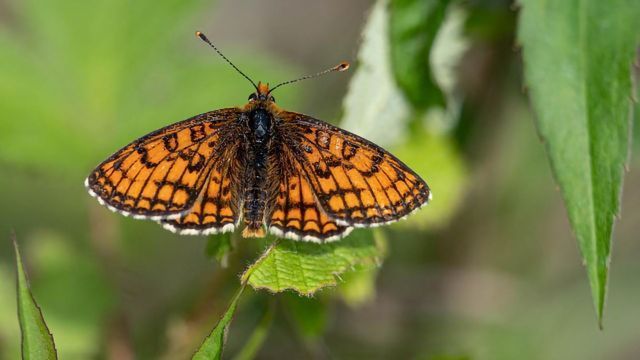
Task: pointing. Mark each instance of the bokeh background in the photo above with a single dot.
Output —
(489, 271)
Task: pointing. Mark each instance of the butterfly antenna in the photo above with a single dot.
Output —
(205, 39)
(340, 67)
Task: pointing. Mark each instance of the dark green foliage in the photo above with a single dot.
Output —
(413, 26)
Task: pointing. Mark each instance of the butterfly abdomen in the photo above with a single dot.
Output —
(257, 147)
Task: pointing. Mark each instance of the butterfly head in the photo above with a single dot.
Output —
(262, 94)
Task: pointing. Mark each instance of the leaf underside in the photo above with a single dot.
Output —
(308, 267)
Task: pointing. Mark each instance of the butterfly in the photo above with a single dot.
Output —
(276, 171)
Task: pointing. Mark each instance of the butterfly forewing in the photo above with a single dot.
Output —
(356, 182)
(162, 174)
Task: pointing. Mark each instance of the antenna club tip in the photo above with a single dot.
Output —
(201, 35)
(342, 66)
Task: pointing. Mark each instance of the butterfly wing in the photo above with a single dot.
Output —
(356, 182)
(217, 208)
(162, 174)
(296, 213)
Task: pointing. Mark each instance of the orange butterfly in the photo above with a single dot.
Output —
(296, 176)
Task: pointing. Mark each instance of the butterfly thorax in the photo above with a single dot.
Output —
(259, 134)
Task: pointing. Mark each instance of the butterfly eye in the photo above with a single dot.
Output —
(271, 98)
(252, 97)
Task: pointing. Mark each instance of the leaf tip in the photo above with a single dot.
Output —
(12, 237)
(37, 340)
(22, 281)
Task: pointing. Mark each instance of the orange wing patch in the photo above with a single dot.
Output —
(296, 213)
(355, 181)
(162, 174)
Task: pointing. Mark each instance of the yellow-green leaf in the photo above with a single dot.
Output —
(307, 267)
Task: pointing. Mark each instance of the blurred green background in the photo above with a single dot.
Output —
(489, 271)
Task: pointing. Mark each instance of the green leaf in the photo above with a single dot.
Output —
(37, 341)
(577, 57)
(374, 106)
(259, 335)
(307, 267)
(213, 344)
(413, 25)
(219, 247)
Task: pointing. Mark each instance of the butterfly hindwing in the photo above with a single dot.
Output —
(161, 174)
(355, 181)
(217, 208)
(296, 213)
